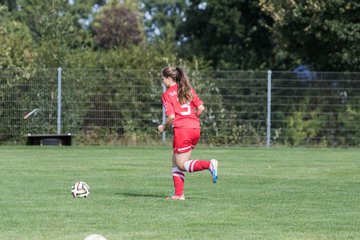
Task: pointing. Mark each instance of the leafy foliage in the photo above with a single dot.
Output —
(17, 47)
(10, 4)
(317, 33)
(51, 31)
(81, 14)
(230, 33)
(116, 26)
(163, 19)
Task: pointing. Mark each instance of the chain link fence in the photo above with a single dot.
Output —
(316, 108)
(116, 106)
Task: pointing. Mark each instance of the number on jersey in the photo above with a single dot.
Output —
(187, 109)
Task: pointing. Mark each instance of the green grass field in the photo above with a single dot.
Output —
(278, 193)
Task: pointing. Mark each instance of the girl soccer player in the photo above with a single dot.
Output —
(183, 109)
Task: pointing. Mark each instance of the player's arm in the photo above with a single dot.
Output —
(199, 110)
(166, 125)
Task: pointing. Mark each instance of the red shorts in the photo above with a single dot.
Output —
(185, 139)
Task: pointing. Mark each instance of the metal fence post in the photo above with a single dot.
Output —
(268, 121)
(59, 101)
(163, 116)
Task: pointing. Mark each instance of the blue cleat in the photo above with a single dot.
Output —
(213, 170)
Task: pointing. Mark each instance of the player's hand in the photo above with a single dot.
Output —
(161, 128)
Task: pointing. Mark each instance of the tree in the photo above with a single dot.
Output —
(323, 34)
(81, 13)
(11, 4)
(17, 47)
(51, 30)
(163, 18)
(230, 33)
(116, 26)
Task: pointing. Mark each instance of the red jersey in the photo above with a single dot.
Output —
(184, 114)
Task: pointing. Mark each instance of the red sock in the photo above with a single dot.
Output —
(196, 165)
(179, 179)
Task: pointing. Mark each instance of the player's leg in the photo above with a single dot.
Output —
(191, 165)
(177, 173)
(195, 165)
(184, 163)
(181, 159)
(178, 180)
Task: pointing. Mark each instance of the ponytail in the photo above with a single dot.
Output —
(184, 87)
(179, 74)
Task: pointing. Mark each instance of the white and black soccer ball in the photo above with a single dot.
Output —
(95, 237)
(80, 190)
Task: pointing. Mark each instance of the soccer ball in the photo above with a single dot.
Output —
(95, 237)
(80, 190)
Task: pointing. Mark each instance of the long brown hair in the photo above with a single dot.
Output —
(180, 77)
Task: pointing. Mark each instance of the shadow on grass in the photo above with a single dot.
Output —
(157, 196)
(142, 195)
